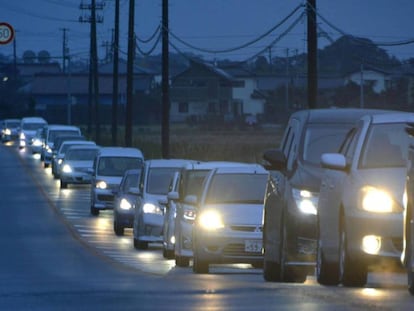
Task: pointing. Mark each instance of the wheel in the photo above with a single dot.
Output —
(199, 266)
(182, 261)
(410, 277)
(352, 273)
(94, 211)
(118, 229)
(45, 165)
(289, 273)
(167, 253)
(271, 271)
(327, 273)
(63, 185)
(140, 244)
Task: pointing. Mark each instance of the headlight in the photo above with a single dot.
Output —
(210, 220)
(7, 132)
(66, 168)
(48, 149)
(101, 185)
(22, 136)
(60, 161)
(189, 213)
(37, 142)
(150, 208)
(377, 201)
(306, 201)
(125, 205)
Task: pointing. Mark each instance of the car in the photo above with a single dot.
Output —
(51, 132)
(125, 198)
(77, 164)
(10, 129)
(150, 207)
(59, 154)
(290, 207)
(228, 224)
(37, 141)
(188, 183)
(407, 256)
(109, 167)
(28, 128)
(360, 212)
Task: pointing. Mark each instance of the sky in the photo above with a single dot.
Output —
(216, 29)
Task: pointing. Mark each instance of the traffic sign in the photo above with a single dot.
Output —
(6, 33)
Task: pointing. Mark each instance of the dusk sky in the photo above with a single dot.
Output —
(208, 25)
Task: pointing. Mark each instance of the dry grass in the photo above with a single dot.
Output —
(206, 145)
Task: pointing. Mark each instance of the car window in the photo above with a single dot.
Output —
(191, 183)
(159, 178)
(80, 154)
(116, 166)
(386, 145)
(130, 181)
(322, 138)
(54, 133)
(233, 188)
(289, 145)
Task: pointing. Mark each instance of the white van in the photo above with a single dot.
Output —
(108, 169)
(28, 128)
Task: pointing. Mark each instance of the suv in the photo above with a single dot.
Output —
(291, 200)
(109, 167)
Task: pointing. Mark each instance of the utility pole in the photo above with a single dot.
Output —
(64, 49)
(287, 80)
(115, 76)
(93, 64)
(165, 128)
(130, 72)
(312, 54)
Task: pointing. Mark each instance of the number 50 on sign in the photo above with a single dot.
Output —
(6, 33)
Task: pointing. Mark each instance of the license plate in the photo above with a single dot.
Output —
(253, 246)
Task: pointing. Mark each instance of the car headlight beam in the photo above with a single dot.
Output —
(376, 200)
(306, 201)
(125, 205)
(210, 220)
(66, 168)
(150, 208)
(101, 185)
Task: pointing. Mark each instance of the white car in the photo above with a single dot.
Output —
(150, 207)
(77, 164)
(9, 129)
(109, 166)
(360, 210)
(228, 225)
(28, 128)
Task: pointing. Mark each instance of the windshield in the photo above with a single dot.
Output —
(323, 139)
(386, 145)
(116, 166)
(32, 126)
(237, 188)
(159, 179)
(81, 154)
(53, 134)
(192, 182)
(12, 124)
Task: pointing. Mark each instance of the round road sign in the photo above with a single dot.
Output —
(6, 33)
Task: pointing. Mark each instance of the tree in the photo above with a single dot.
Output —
(43, 57)
(29, 57)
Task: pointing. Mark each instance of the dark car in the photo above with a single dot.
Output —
(125, 197)
(291, 200)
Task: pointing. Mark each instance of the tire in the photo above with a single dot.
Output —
(94, 211)
(199, 266)
(45, 165)
(167, 253)
(182, 261)
(118, 229)
(327, 273)
(141, 245)
(410, 277)
(288, 273)
(352, 273)
(271, 271)
(63, 185)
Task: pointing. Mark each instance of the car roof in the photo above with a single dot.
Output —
(209, 165)
(33, 120)
(245, 169)
(167, 162)
(11, 120)
(62, 127)
(78, 142)
(336, 115)
(397, 117)
(83, 147)
(120, 152)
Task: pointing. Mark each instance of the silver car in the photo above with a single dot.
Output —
(360, 210)
(228, 225)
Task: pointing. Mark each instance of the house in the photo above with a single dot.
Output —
(378, 79)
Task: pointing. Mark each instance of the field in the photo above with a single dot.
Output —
(244, 145)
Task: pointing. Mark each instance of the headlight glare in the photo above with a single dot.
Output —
(210, 220)
(306, 201)
(125, 205)
(66, 168)
(101, 185)
(150, 208)
(376, 200)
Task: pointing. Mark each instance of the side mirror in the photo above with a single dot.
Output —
(173, 195)
(90, 171)
(191, 199)
(333, 161)
(134, 191)
(275, 158)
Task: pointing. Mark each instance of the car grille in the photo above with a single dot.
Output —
(234, 250)
(247, 228)
(81, 169)
(105, 197)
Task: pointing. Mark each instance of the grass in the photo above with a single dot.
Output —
(242, 145)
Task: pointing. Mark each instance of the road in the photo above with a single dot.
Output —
(56, 256)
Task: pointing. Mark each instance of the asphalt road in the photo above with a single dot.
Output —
(56, 256)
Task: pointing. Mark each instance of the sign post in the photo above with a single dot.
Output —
(6, 33)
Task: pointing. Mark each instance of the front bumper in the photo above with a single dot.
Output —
(102, 198)
(76, 178)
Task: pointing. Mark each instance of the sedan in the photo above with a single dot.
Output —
(228, 225)
(360, 211)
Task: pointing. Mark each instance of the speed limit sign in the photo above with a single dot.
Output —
(6, 33)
